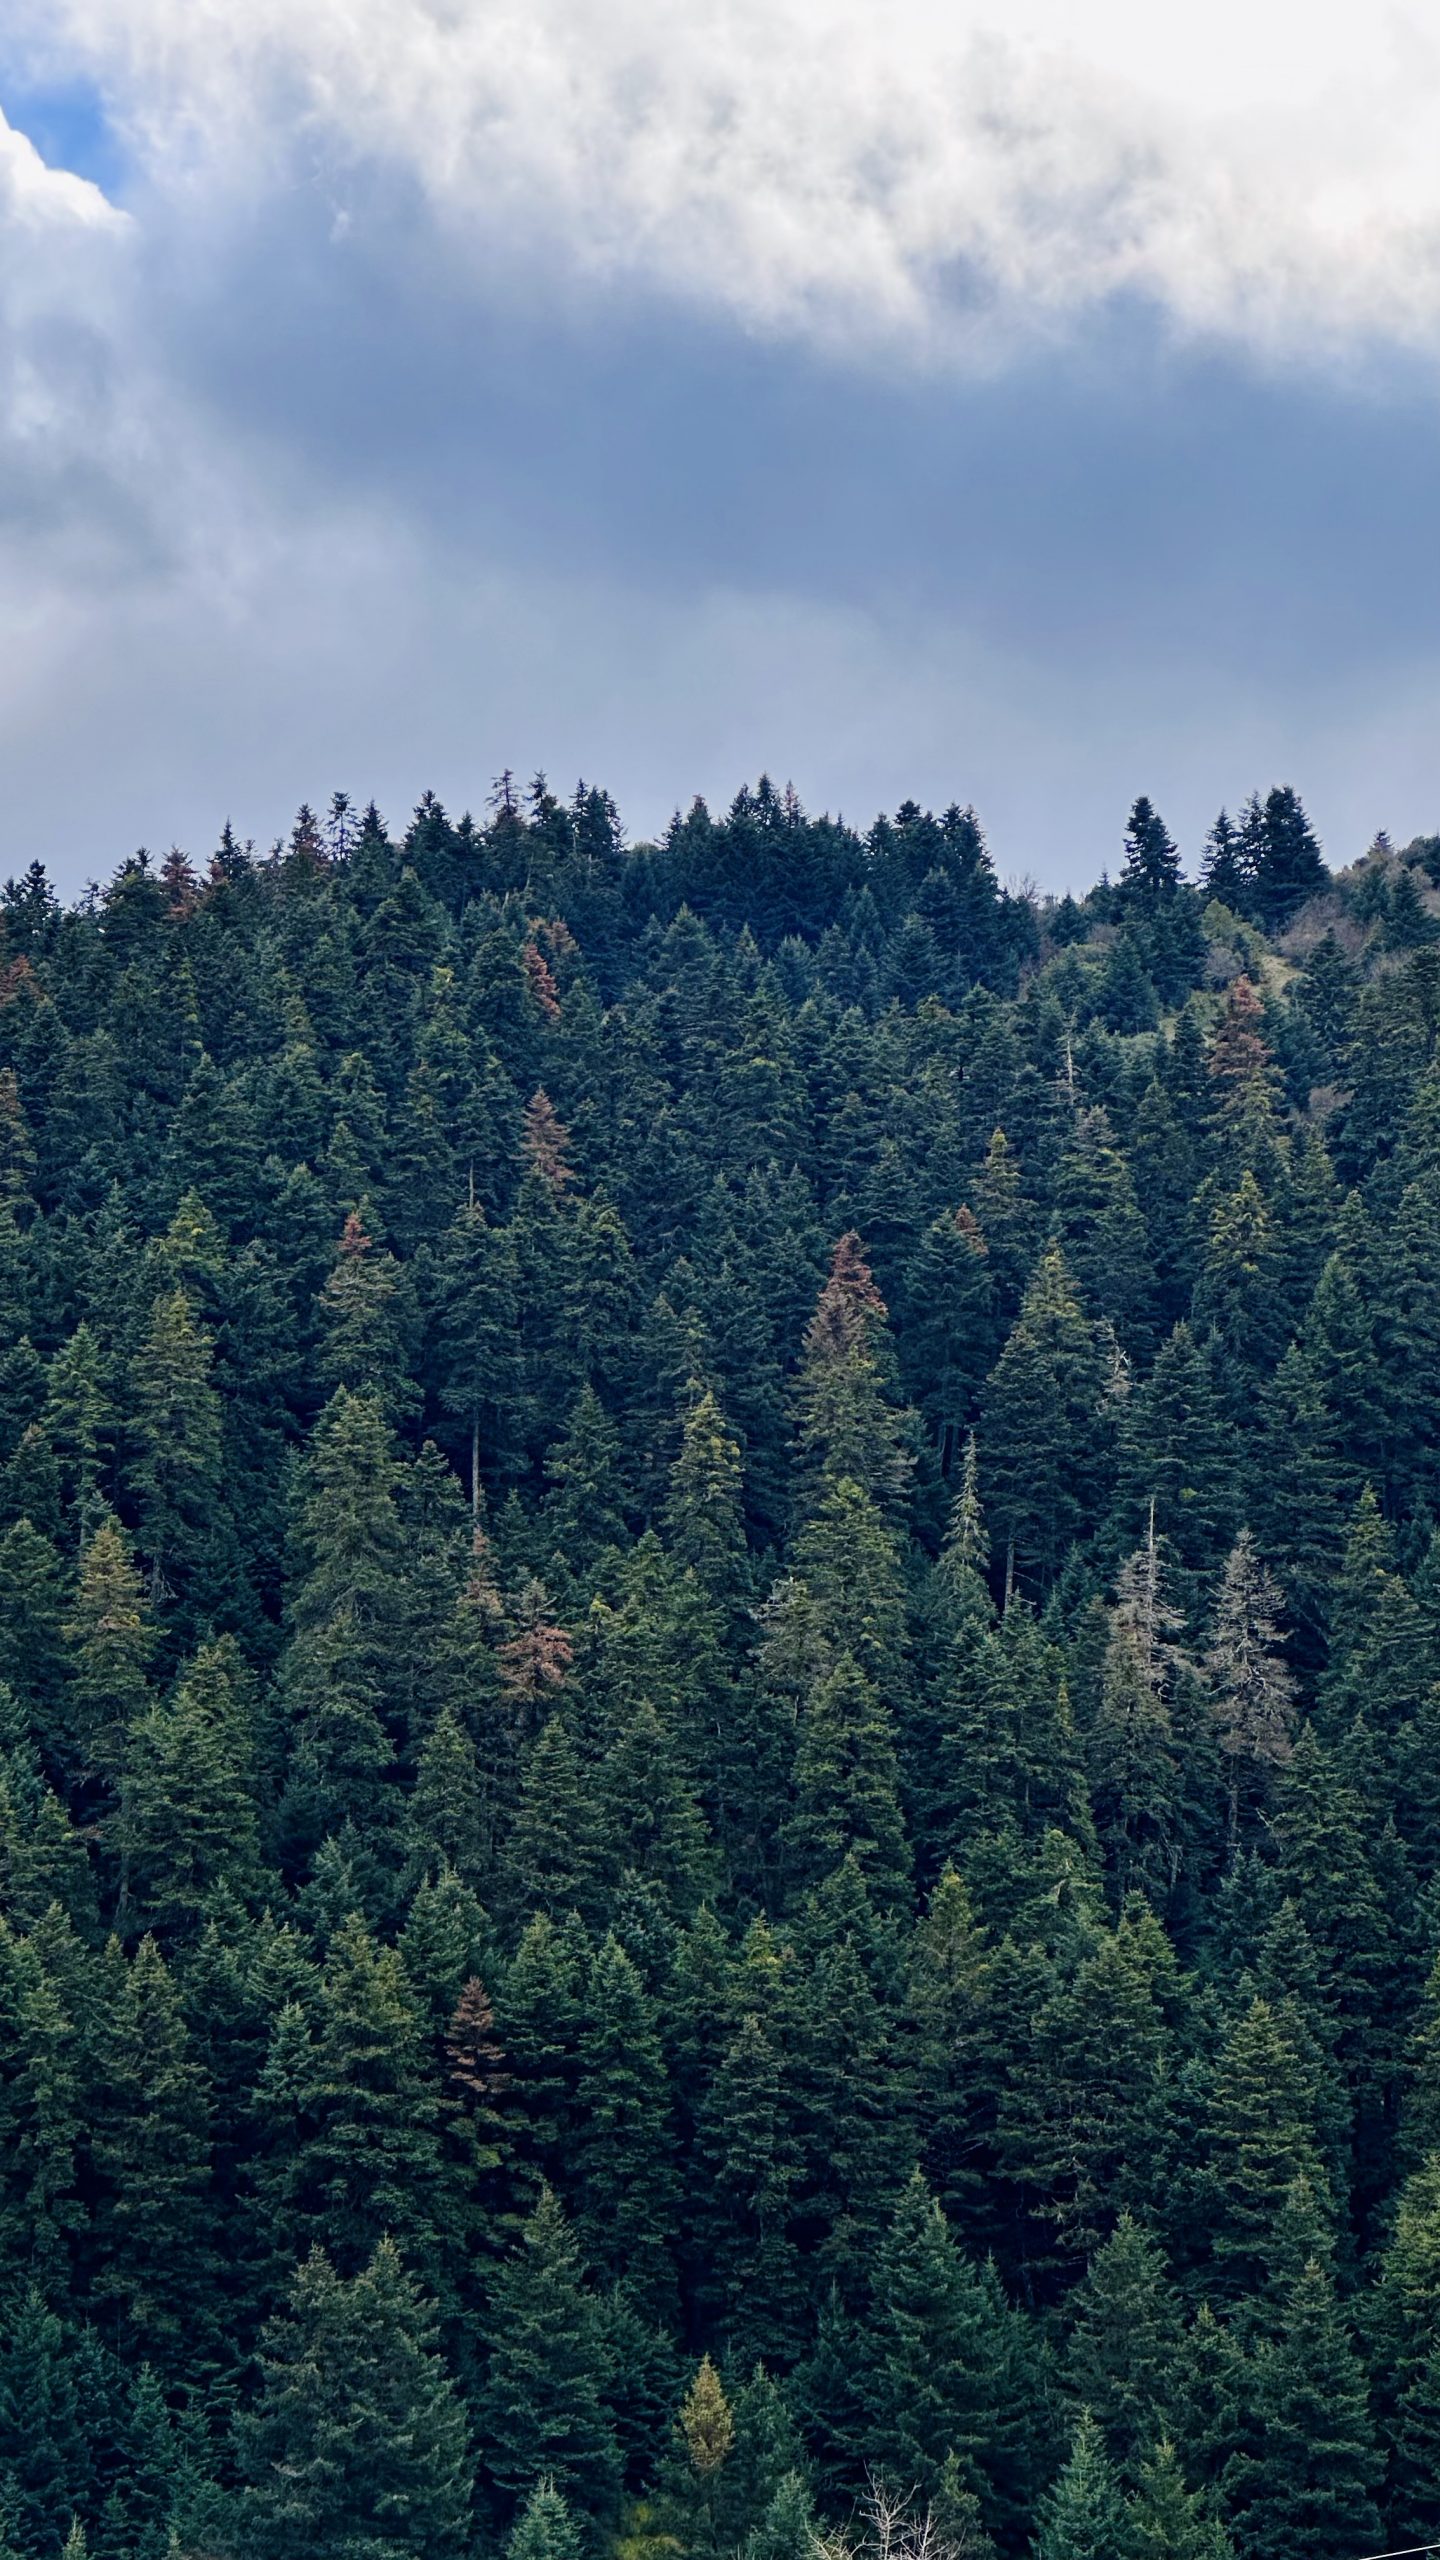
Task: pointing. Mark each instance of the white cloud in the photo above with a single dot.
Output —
(217, 591)
(914, 174)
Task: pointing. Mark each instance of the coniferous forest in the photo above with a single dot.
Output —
(720, 1744)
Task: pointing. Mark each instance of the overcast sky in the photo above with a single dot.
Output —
(1030, 402)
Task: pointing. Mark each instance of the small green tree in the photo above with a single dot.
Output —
(1083, 2516)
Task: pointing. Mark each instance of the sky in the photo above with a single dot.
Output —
(1021, 402)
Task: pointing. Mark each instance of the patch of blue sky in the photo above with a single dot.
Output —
(69, 126)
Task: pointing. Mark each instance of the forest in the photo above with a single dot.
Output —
(720, 1694)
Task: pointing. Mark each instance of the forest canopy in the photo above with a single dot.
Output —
(720, 1694)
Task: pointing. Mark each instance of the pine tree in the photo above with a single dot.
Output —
(1167, 2521)
(1308, 2484)
(149, 2141)
(1042, 1431)
(627, 2165)
(1122, 2359)
(1405, 2343)
(189, 1820)
(1083, 2516)
(358, 2441)
(543, 2404)
(1252, 1691)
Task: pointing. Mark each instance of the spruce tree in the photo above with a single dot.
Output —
(847, 1426)
(1122, 2358)
(1258, 2138)
(627, 2174)
(846, 1787)
(176, 1478)
(941, 2377)
(1405, 2343)
(1252, 1690)
(112, 1642)
(1167, 2521)
(151, 2238)
(1307, 2483)
(367, 2161)
(1042, 1430)
(544, 2528)
(691, 2503)
(189, 1821)
(340, 1668)
(543, 2402)
(358, 2440)
(747, 2265)
(703, 1507)
(1083, 2516)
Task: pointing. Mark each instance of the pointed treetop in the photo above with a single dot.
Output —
(547, 1142)
(967, 1540)
(706, 2421)
(1152, 864)
(849, 1300)
(541, 982)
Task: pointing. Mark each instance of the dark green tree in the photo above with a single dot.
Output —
(358, 2441)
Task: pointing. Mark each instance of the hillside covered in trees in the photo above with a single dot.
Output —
(720, 1732)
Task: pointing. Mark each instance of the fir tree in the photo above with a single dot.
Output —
(845, 1781)
(1252, 1691)
(544, 2391)
(149, 2142)
(627, 2178)
(1309, 2482)
(358, 2440)
(1403, 2330)
(1123, 2355)
(1083, 2516)
(1042, 1433)
(1167, 2521)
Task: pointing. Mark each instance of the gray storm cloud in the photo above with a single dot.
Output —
(274, 514)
